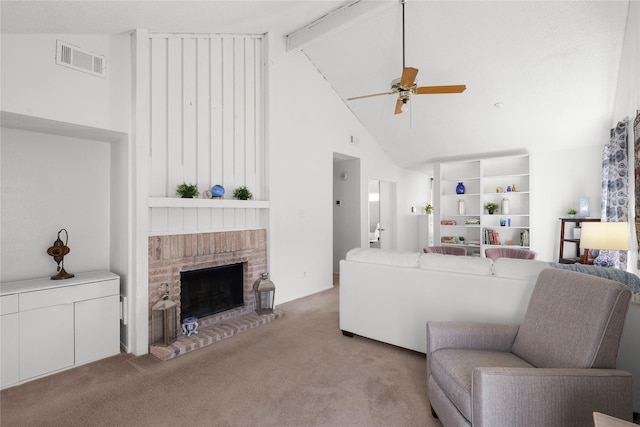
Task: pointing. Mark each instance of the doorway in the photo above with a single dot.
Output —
(381, 214)
(346, 207)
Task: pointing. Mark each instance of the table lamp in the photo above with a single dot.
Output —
(604, 236)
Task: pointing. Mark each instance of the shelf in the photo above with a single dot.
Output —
(177, 202)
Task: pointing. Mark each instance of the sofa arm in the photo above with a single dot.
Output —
(549, 397)
(477, 336)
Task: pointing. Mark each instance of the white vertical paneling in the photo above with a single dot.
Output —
(158, 220)
(204, 219)
(175, 219)
(240, 119)
(174, 114)
(207, 126)
(228, 110)
(216, 116)
(217, 219)
(190, 216)
(203, 117)
(250, 220)
(259, 144)
(229, 218)
(158, 171)
(250, 117)
(189, 104)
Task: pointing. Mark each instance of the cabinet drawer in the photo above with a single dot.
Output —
(9, 304)
(68, 294)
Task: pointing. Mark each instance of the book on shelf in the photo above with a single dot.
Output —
(447, 222)
(472, 221)
(448, 239)
(491, 237)
(524, 238)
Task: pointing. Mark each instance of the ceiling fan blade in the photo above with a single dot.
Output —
(439, 89)
(370, 96)
(408, 76)
(399, 105)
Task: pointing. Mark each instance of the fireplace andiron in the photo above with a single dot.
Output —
(58, 251)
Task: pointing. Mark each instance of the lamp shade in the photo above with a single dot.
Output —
(605, 235)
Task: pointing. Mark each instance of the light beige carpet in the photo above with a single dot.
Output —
(296, 371)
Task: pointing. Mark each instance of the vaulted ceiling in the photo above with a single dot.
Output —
(540, 75)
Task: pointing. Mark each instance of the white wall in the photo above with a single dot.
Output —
(558, 180)
(32, 83)
(308, 122)
(48, 183)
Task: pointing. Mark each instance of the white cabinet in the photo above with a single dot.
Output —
(88, 327)
(46, 340)
(51, 325)
(9, 338)
(462, 219)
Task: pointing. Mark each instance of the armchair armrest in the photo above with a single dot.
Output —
(477, 336)
(549, 397)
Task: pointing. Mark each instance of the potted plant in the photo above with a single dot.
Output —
(571, 213)
(461, 239)
(242, 193)
(187, 191)
(491, 207)
(428, 209)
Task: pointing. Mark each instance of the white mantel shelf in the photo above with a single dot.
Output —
(178, 202)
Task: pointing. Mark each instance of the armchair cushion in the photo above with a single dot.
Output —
(453, 370)
(591, 321)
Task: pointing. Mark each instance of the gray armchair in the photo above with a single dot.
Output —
(554, 369)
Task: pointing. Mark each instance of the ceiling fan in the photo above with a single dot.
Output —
(406, 84)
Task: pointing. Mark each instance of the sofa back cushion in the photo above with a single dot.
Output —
(515, 268)
(573, 320)
(457, 264)
(382, 256)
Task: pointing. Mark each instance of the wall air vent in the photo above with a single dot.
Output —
(72, 56)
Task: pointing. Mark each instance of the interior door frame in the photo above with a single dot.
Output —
(386, 212)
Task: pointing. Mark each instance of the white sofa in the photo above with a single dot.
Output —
(389, 296)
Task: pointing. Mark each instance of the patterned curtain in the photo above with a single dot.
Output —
(615, 188)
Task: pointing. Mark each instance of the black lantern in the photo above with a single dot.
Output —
(164, 322)
(264, 292)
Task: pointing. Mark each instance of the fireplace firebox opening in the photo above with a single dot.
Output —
(211, 290)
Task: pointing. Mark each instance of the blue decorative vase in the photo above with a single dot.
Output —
(460, 188)
(217, 191)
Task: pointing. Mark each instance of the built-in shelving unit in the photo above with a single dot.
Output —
(462, 218)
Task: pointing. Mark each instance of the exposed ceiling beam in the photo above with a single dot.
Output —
(346, 14)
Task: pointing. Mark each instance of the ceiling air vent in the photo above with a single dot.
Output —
(72, 56)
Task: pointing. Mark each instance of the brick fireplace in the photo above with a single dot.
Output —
(171, 255)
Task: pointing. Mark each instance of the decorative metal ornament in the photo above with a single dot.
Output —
(58, 251)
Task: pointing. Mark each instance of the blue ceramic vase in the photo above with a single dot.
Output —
(460, 188)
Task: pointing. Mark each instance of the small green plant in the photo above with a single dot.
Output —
(491, 207)
(571, 212)
(428, 209)
(187, 191)
(242, 193)
(461, 238)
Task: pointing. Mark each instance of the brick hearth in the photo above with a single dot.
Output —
(171, 255)
(213, 333)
